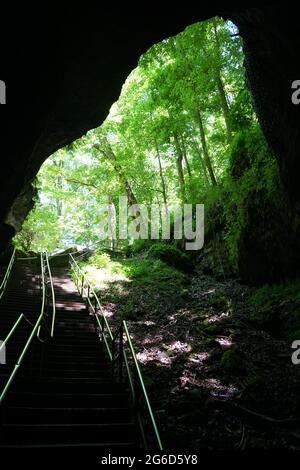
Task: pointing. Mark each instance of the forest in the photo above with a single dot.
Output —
(210, 327)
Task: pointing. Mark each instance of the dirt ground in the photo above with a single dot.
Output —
(217, 381)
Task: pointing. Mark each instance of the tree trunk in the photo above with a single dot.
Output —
(203, 166)
(186, 158)
(225, 107)
(179, 160)
(220, 86)
(109, 154)
(163, 184)
(58, 185)
(204, 147)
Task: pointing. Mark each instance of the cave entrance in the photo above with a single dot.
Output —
(167, 140)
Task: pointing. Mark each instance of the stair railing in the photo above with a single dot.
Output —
(119, 347)
(7, 274)
(45, 272)
(49, 292)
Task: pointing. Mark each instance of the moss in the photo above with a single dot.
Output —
(171, 255)
(277, 308)
(213, 329)
(232, 361)
(220, 301)
(138, 246)
(275, 293)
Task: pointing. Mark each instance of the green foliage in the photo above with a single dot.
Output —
(153, 272)
(220, 301)
(171, 256)
(280, 304)
(101, 260)
(241, 111)
(136, 285)
(254, 175)
(138, 246)
(40, 231)
(143, 270)
(276, 293)
(213, 329)
(232, 361)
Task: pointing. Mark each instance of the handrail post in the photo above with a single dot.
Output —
(113, 350)
(102, 327)
(52, 295)
(7, 273)
(121, 347)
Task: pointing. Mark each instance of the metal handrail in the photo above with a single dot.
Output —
(86, 290)
(142, 384)
(52, 295)
(3, 343)
(7, 274)
(35, 329)
(90, 290)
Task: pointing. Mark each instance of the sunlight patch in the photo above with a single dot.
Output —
(178, 346)
(199, 357)
(217, 389)
(154, 354)
(152, 339)
(103, 277)
(216, 318)
(224, 342)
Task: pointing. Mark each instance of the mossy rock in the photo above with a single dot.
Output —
(232, 361)
(172, 256)
(213, 329)
(219, 301)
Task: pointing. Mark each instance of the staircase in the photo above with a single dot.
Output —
(63, 396)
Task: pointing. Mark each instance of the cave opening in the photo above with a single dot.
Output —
(169, 139)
